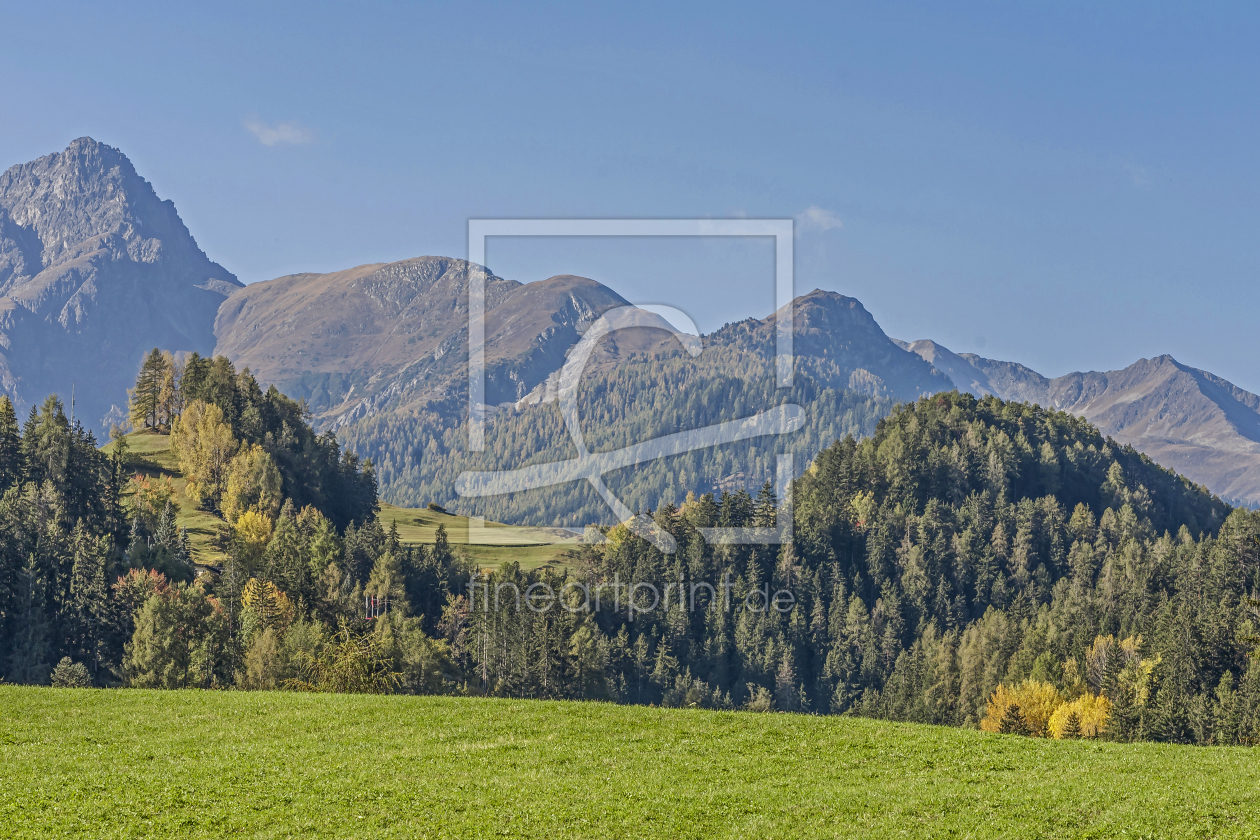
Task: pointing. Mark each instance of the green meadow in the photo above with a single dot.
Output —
(125, 763)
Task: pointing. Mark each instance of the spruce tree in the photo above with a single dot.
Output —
(10, 446)
(1013, 722)
(166, 533)
(86, 608)
(1072, 726)
(30, 660)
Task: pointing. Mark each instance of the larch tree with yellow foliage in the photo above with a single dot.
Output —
(249, 540)
(1037, 701)
(203, 442)
(1091, 711)
(253, 483)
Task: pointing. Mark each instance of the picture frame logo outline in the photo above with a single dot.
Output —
(592, 466)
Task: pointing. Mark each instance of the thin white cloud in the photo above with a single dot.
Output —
(1139, 175)
(280, 134)
(817, 218)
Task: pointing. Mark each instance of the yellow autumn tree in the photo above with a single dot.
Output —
(203, 442)
(1037, 702)
(253, 483)
(250, 538)
(1091, 710)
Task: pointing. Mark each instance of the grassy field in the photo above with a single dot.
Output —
(201, 764)
(496, 544)
(531, 547)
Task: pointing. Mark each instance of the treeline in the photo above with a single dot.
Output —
(970, 563)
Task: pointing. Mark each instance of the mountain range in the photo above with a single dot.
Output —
(95, 269)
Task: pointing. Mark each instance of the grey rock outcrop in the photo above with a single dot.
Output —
(95, 269)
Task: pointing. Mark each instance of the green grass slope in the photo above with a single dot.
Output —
(150, 454)
(495, 544)
(191, 764)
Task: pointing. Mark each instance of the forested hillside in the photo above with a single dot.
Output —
(973, 563)
(639, 399)
(93, 567)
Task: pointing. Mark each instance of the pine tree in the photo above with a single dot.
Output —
(87, 606)
(31, 658)
(183, 550)
(46, 443)
(786, 698)
(1072, 727)
(70, 674)
(166, 533)
(144, 401)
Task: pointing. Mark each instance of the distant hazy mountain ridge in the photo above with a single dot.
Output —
(95, 269)
(1195, 422)
(394, 336)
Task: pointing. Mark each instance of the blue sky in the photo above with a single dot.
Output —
(1071, 187)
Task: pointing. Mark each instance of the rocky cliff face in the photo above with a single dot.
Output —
(95, 269)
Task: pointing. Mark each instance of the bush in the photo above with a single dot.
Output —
(434, 506)
(69, 674)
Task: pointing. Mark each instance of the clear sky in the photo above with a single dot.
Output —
(1071, 187)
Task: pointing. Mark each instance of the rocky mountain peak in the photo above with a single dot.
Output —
(95, 268)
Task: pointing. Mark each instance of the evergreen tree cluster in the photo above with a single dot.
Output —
(971, 563)
(61, 518)
(964, 547)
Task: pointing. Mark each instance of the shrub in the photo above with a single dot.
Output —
(69, 674)
(1037, 702)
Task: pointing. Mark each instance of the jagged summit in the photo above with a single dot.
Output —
(838, 342)
(95, 268)
(1187, 419)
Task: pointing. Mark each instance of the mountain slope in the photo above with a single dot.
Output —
(387, 337)
(838, 343)
(94, 270)
(379, 353)
(1187, 419)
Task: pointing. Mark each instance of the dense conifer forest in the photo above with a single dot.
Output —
(641, 398)
(971, 563)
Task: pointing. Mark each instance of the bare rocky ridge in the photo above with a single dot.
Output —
(95, 269)
(1186, 419)
(394, 337)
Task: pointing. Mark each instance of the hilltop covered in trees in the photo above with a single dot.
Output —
(972, 563)
(245, 447)
(90, 548)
